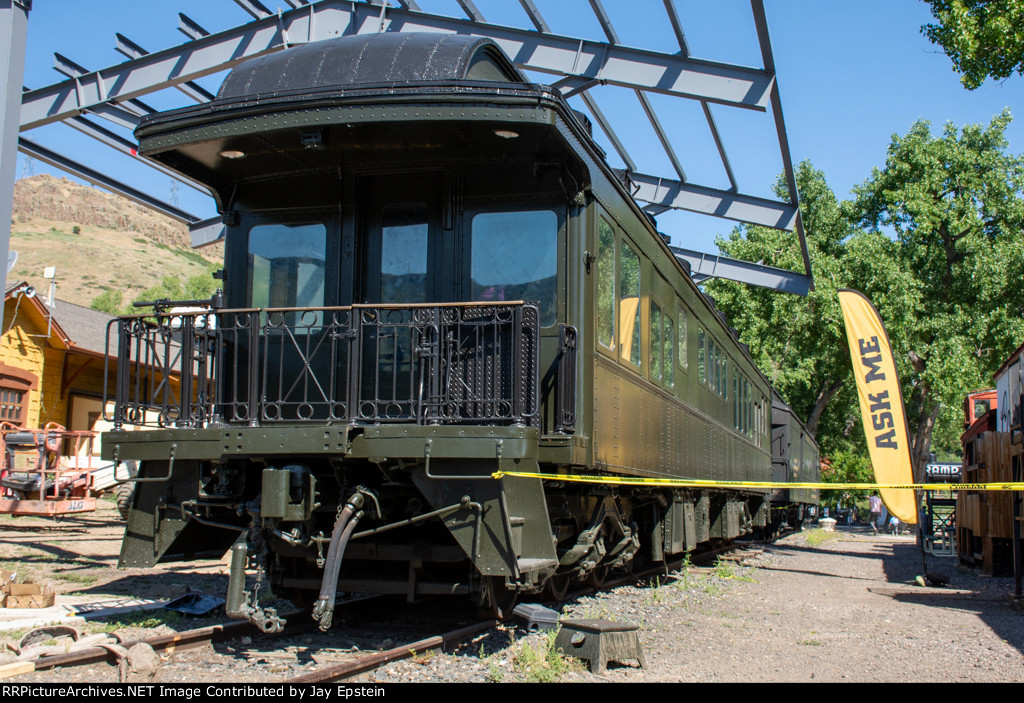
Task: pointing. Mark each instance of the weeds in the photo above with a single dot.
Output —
(84, 579)
(600, 613)
(494, 672)
(727, 570)
(817, 537)
(657, 593)
(422, 658)
(142, 618)
(542, 663)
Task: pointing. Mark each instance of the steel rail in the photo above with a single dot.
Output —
(379, 659)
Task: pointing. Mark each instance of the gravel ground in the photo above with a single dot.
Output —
(800, 609)
(847, 609)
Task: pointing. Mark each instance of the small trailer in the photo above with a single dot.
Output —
(47, 471)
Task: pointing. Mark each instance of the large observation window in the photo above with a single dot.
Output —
(515, 257)
(286, 266)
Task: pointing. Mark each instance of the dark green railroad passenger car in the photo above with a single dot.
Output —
(431, 275)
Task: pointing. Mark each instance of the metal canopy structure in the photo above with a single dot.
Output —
(105, 103)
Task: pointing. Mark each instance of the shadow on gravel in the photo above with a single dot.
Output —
(165, 584)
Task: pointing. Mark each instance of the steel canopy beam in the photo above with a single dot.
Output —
(607, 63)
(48, 156)
(13, 28)
(664, 192)
(767, 57)
(130, 49)
(128, 148)
(546, 53)
(705, 266)
(206, 232)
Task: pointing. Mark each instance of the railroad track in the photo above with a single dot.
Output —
(342, 652)
(338, 654)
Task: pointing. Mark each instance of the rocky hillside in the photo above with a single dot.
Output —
(59, 200)
(99, 242)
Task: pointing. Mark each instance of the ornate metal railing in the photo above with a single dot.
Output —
(426, 364)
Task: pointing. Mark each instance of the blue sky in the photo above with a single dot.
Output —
(851, 74)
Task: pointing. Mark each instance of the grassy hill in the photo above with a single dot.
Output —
(99, 242)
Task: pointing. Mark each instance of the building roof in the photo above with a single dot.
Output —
(87, 328)
(1006, 364)
(72, 326)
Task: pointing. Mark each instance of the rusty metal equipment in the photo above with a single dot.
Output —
(36, 480)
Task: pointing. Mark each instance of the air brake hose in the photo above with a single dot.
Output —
(323, 610)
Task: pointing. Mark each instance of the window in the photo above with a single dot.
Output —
(723, 385)
(712, 364)
(14, 387)
(668, 342)
(12, 406)
(515, 257)
(403, 258)
(736, 423)
(662, 347)
(701, 356)
(681, 317)
(743, 406)
(286, 268)
(606, 285)
(656, 348)
(629, 305)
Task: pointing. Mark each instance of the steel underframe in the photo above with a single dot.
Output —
(114, 94)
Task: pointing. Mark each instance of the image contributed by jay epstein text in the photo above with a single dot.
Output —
(288, 692)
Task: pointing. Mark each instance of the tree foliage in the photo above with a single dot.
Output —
(197, 287)
(934, 240)
(954, 206)
(983, 38)
(798, 342)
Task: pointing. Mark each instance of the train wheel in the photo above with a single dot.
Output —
(598, 576)
(557, 587)
(499, 599)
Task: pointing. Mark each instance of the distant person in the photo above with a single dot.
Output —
(875, 504)
(894, 525)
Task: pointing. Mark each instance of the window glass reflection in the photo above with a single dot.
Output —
(403, 260)
(515, 257)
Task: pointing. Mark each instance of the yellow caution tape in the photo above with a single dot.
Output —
(695, 483)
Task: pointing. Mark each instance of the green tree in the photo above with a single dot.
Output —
(108, 301)
(198, 287)
(984, 38)
(953, 205)
(798, 342)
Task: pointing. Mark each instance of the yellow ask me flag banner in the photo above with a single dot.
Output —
(881, 404)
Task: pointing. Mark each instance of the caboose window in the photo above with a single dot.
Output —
(515, 257)
(286, 265)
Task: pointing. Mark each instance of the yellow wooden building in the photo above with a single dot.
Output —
(52, 362)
